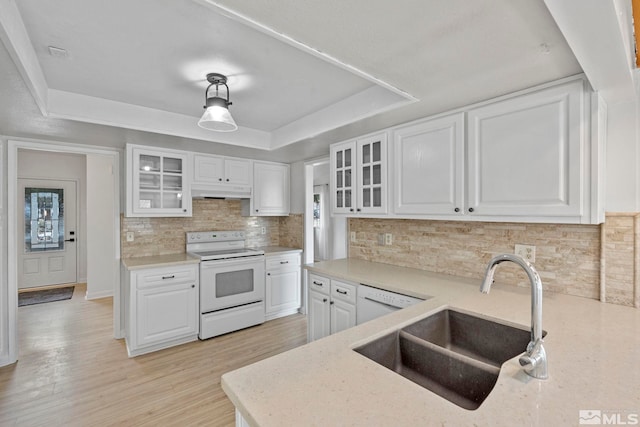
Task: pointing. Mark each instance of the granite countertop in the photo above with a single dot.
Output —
(592, 348)
(278, 250)
(159, 261)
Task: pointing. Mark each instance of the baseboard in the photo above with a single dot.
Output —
(5, 360)
(98, 295)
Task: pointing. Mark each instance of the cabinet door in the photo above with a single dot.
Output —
(271, 189)
(343, 177)
(428, 167)
(343, 316)
(157, 184)
(525, 154)
(318, 319)
(165, 313)
(237, 171)
(207, 169)
(372, 174)
(283, 290)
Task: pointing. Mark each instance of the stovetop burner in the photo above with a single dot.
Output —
(217, 245)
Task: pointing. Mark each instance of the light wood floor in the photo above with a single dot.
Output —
(71, 372)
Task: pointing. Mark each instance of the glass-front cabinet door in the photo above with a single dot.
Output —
(343, 180)
(372, 175)
(157, 187)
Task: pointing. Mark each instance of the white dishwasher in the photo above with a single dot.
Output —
(374, 302)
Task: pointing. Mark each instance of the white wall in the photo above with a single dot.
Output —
(101, 264)
(622, 163)
(297, 187)
(4, 304)
(41, 164)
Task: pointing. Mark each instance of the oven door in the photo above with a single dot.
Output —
(230, 283)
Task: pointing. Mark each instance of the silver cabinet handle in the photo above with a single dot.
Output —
(340, 291)
(173, 276)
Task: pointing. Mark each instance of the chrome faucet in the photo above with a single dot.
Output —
(534, 362)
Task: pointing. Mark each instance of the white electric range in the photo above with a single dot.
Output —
(232, 281)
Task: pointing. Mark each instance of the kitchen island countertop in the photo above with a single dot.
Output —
(592, 347)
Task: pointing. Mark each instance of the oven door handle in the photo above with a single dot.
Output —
(235, 261)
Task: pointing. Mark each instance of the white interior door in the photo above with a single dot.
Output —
(47, 237)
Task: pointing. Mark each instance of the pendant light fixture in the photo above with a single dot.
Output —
(216, 115)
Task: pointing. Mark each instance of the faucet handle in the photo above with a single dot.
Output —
(534, 361)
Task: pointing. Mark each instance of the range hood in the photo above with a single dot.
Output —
(222, 191)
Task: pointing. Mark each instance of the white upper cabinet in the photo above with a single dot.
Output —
(270, 190)
(526, 155)
(157, 182)
(237, 171)
(372, 172)
(221, 170)
(531, 157)
(343, 180)
(359, 176)
(428, 167)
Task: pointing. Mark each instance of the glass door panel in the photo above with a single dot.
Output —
(149, 163)
(172, 165)
(343, 177)
(371, 179)
(43, 219)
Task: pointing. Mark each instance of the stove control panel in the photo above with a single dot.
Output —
(214, 236)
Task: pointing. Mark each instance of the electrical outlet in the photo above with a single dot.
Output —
(388, 239)
(528, 252)
(130, 236)
(264, 230)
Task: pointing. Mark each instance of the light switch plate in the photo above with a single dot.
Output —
(353, 236)
(130, 236)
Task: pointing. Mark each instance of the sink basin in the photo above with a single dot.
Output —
(453, 354)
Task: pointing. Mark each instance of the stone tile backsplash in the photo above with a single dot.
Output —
(292, 231)
(568, 257)
(160, 236)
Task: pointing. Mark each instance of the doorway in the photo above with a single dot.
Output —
(47, 246)
(102, 226)
(331, 231)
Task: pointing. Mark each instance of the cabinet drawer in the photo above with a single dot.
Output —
(167, 276)
(319, 283)
(343, 291)
(282, 261)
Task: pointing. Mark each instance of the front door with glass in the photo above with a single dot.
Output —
(47, 240)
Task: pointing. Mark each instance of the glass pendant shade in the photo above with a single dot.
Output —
(217, 116)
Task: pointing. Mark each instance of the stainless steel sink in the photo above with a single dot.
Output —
(453, 354)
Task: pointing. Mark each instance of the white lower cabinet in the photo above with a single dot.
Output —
(332, 306)
(161, 308)
(283, 285)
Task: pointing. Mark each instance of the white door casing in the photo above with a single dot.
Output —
(58, 264)
(9, 307)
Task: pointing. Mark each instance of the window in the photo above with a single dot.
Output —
(43, 219)
(316, 211)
